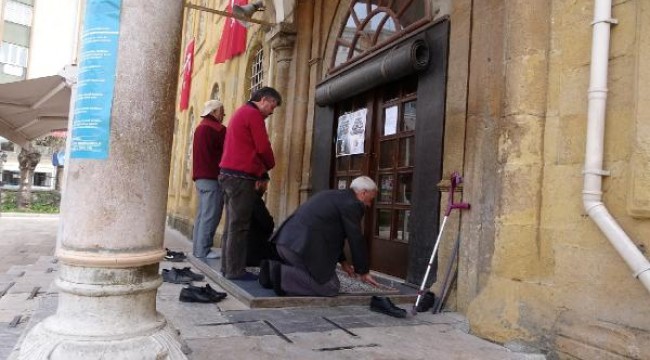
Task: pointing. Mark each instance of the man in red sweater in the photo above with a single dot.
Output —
(247, 155)
(207, 148)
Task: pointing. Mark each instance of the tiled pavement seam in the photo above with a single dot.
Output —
(229, 330)
(23, 289)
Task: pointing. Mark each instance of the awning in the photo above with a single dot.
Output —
(32, 108)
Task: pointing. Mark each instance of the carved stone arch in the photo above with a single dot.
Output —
(365, 26)
(330, 42)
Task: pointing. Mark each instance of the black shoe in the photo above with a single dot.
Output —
(209, 292)
(385, 306)
(186, 271)
(194, 294)
(275, 277)
(175, 277)
(265, 275)
(175, 256)
(426, 302)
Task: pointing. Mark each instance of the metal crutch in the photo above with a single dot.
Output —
(456, 180)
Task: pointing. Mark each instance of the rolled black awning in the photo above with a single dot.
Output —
(401, 60)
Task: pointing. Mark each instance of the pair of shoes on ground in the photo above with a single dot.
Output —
(205, 294)
(175, 256)
(426, 302)
(270, 276)
(383, 305)
(180, 276)
(210, 255)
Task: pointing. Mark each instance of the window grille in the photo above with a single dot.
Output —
(370, 24)
(257, 71)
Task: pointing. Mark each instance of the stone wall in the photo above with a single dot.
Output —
(535, 269)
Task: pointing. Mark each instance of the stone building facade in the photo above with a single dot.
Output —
(494, 89)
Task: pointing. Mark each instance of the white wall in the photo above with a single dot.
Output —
(54, 37)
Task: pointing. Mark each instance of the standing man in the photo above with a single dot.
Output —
(247, 156)
(310, 243)
(207, 149)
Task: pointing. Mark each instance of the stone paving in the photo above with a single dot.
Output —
(229, 329)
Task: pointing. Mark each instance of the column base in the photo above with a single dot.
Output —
(44, 343)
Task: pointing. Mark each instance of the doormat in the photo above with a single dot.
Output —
(353, 291)
(352, 286)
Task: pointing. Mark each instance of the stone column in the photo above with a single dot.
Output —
(282, 42)
(315, 69)
(113, 210)
(295, 134)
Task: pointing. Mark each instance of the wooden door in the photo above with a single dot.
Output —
(388, 158)
(394, 144)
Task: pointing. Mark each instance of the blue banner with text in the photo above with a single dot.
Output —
(91, 126)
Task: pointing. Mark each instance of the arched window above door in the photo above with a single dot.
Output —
(370, 24)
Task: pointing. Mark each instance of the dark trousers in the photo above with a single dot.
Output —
(240, 198)
(296, 280)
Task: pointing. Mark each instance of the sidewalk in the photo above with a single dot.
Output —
(229, 329)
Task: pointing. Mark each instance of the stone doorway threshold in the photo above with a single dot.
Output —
(255, 296)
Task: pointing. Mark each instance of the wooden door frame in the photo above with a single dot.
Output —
(429, 135)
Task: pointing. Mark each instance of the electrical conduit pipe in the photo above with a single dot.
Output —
(593, 173)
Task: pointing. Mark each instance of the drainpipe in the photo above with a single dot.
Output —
(593, 173)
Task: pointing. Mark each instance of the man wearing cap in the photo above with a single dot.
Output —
(207, 150)
(247, 155)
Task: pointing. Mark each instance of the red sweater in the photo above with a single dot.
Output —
(207, 149)
(247, 148)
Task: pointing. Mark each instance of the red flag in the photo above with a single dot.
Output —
(188, 64)
(233, 36)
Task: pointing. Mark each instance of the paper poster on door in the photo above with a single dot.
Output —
(351, 133)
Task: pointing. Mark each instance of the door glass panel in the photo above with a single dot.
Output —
(383, 224)
(386, 154)
(404, 188)
(406, 151)
(389, 125)
(385, 188)
(409, 116)
(402, 226)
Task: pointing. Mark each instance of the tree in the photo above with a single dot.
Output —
(28, 159)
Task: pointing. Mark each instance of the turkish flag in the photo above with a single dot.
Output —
(188, 64)
(233, 36)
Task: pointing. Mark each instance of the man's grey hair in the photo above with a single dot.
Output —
(363, 183)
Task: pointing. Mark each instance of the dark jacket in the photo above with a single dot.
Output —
(317, 231)
(207, 148)
(261, 228)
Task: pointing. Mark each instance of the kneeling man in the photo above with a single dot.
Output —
(310, 243)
